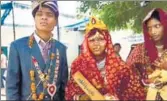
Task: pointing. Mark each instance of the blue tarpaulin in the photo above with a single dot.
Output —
(7, 7)
(78, 26)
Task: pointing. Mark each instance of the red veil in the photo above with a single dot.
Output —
(120, 79)
(149, 44)
(147, 53)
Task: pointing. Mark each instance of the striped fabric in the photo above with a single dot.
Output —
(52, 4)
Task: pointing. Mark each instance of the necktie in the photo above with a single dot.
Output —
(45, 50)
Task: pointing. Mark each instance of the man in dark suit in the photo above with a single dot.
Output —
(37, 67)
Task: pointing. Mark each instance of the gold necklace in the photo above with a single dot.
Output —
(33, 87)
(32, 77)
(51, 91)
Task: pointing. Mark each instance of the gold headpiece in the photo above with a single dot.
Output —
(95, 23)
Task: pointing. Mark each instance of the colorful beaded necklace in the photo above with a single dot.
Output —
(44, 77)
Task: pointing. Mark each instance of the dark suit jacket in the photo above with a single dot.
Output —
(18, 78)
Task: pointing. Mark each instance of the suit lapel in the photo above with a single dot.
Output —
(35, 51)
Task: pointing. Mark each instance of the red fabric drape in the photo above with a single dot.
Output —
(149, 44)
(120, 79)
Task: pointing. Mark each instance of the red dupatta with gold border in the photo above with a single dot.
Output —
(121, 81)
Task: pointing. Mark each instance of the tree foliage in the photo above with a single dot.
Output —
(122, 14)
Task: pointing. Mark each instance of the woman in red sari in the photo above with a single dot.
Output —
(102, 68)
(147, 57)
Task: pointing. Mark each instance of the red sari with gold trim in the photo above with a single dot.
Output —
(144, 55)
(120, 80)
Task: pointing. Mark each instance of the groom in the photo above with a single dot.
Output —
(37, 67)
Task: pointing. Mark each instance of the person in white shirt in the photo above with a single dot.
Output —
(3, 67)
(3, 60)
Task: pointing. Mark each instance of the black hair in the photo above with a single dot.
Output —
(93, 31)
(35, 11)
(117, 44)
(154, 15)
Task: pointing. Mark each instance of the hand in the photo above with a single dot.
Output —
(158, 84)
(151, 80)
(164, 65)
(157, 63)
(161, 64)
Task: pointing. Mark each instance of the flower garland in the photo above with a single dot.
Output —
(44, 77)
(33, 87)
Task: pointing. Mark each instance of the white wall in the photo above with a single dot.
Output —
(72, 39)
(7, 35)
(126, 38)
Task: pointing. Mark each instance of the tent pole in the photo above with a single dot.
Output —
(14, 33)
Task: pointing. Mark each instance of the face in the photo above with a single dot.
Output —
(45, 19)
(97, 44)
(155, 29)
(117, 48)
